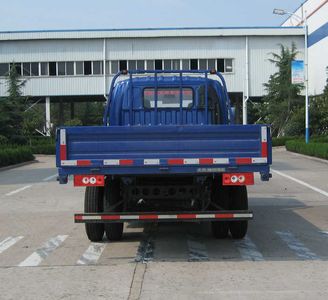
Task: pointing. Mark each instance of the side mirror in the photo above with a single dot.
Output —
(233, 115)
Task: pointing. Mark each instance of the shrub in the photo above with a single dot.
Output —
(280, 141)
(44, 149)
(10, 156)
(18, 140)
(313, 149)
(3, 140)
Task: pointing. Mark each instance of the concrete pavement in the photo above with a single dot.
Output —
(44, 255)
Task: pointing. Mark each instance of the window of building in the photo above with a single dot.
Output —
(87, 68)
(175, 64)
(140, 64)
(123, 65)
(228, 65)
(167, 64)
(26, 69)
(114, 66)
(132, 65)
(211, 64)
(185, 64)
(79, 68)
(158, 64)
(61, 69)
(44, 69)
(4, 69)
(52, 69)
(35, 69)
(194, 64)
(69, 68)
(97, 67)
(220, 65)
(150, 65)
(203, 64)
(18, 67)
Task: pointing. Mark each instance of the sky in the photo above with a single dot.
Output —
(108, 14)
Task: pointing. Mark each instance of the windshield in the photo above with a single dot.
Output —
(168, 97)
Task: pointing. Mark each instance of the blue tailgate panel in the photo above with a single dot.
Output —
(160, 142)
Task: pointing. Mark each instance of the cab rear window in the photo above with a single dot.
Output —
(168, 98)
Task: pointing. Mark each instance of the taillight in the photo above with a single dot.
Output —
(89, 180)
(238, 179)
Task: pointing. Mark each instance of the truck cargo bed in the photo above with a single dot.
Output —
(133, 150)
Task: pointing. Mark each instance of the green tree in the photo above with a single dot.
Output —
(282, 99)
(12, 106)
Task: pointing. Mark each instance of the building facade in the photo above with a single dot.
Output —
(79, 65)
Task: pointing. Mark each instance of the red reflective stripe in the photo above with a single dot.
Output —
(264, 149)
(148, 217)
(116, 217)
(78, 217)
(63, 152)
(206, 161)
(126, 162)
(243, 161)
(175, 161)
(186, 216)
(224, 216)
(84, 162)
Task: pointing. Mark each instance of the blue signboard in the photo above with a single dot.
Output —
(297, 71)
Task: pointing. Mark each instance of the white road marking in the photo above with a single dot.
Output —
(50, 177)
(92, 254)
(324, 232)
(8, 242)
(296, 245)
(40, 254)
(322, 192)
(197, 250)
(248, 249)
(18, 190)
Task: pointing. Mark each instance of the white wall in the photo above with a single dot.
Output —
(317, 12)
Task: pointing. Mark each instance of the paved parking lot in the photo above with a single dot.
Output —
(44, 255)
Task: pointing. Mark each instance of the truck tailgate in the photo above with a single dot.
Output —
(162, 149)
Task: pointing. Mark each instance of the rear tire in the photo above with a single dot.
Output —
(239, 201)
(93, 200)
(220, 196)
(114, 231)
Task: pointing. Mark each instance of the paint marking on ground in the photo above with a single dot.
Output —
(197, 249)
(18, 190)
(8, 242)
(322, 192)
(297, 246)
(50, 177)
(248, 249)
(40, 254)
(92, 254)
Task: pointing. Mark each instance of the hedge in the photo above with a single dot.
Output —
(44, 149)
(313, 149)
(11, 156)
(281, 141)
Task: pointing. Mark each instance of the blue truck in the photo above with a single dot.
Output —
(168, 151)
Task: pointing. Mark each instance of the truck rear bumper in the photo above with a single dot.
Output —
(196, 216)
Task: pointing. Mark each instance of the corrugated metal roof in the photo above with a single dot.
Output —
(150, 32)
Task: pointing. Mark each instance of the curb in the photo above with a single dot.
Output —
(18, 165)
(309, 157)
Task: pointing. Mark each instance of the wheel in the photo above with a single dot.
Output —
(220, 197)
(114, 231)
(93, 201)
(239, 201)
